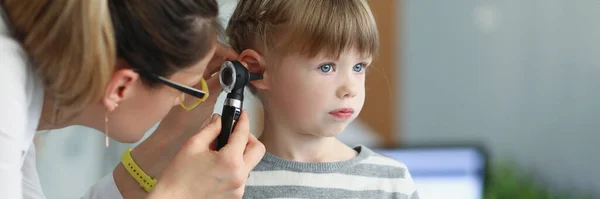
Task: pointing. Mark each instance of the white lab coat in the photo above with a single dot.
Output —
(21, 98)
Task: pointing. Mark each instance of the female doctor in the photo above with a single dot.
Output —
(119, 67)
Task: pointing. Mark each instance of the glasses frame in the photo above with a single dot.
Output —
(200, 94)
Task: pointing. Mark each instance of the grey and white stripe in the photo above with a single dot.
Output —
(369, 175)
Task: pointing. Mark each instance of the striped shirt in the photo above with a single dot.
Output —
(369, 175)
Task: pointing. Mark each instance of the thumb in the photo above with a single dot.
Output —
(202, 140)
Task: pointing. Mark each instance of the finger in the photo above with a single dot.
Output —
(213, 66)
(214, 86)
(239, 137)
(213, 146)
(207, 121)
(222, 54)
(254, 152)
(215, 70)
(207, 134)
(226, 52)
(237, 193)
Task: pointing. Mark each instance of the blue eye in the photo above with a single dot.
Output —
(326, 68)
(358, 68)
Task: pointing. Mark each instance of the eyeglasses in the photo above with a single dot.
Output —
(200, 95)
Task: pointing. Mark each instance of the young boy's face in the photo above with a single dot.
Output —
(317, 95)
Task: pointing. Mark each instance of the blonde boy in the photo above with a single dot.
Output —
(313, 54)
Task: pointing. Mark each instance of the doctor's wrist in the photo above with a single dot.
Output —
(149, 159)
(128, 187)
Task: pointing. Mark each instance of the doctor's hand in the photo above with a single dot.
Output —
(198, 171)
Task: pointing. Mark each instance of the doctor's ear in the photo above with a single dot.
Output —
(120, 87)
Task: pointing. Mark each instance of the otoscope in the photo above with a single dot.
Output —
(233, 77)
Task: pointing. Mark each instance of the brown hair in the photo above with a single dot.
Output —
(74, 44)
(164, 36)
(304, 26)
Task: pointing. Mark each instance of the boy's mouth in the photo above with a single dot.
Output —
(343, 113)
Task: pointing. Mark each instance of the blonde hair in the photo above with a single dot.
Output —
(308, 27)
(71, 46)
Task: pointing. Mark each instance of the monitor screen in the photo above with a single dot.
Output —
(456, 172)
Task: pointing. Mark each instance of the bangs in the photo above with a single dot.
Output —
(330, 28)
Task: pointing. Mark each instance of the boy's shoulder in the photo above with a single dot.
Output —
(393, 174)
(374, 158)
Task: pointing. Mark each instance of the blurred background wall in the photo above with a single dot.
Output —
(520, 77)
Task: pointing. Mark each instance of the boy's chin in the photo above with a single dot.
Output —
(331, 132)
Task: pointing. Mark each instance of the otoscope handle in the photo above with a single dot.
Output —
(229, 118)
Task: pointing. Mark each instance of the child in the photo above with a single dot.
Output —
(313, 55)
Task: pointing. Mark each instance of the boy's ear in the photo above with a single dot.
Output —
(120, 86)
(255, 63)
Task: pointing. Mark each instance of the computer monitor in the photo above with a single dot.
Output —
(444, 172)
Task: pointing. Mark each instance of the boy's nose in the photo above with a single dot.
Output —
(347, 90)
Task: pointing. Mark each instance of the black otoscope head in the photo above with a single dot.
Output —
(234, 77)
